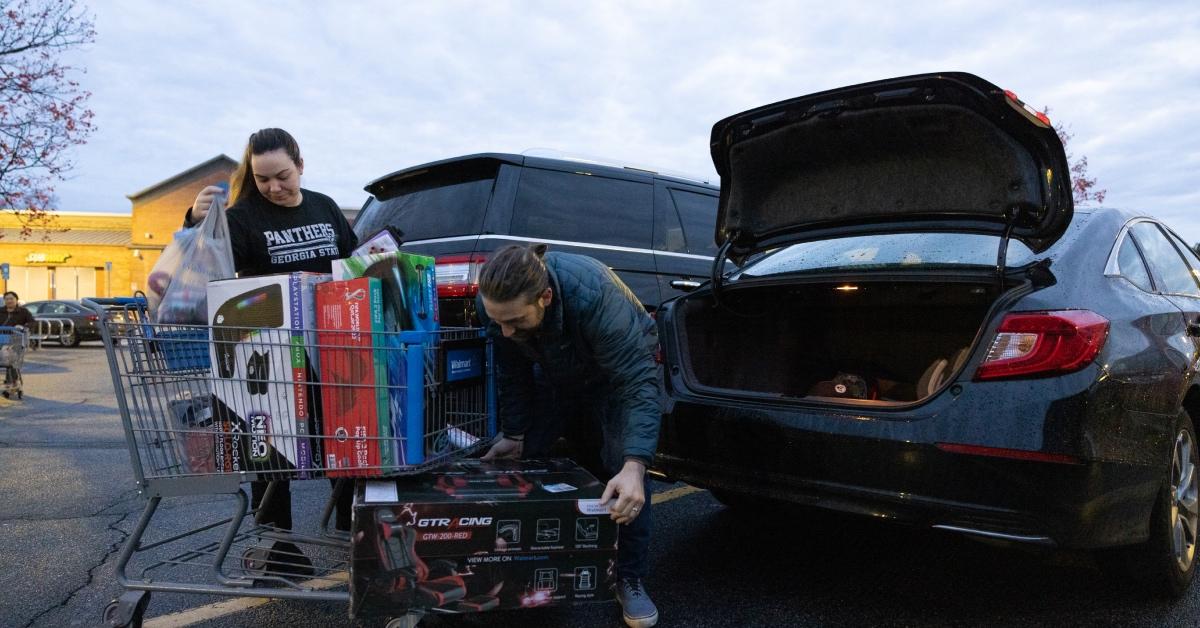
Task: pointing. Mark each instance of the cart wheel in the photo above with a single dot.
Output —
(127, 611)
(20, 394)
(407, 621)
(254, 561)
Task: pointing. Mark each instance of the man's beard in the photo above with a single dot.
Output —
(526, 335)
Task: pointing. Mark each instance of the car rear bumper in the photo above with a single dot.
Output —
(885, 473)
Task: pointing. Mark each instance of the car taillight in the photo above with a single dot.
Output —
(458, 275)
(1039, 344)
(93, 317)
(1033, 114)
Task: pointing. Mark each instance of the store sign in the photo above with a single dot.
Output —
(47, 258)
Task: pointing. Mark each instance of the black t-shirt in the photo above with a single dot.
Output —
(269, 238)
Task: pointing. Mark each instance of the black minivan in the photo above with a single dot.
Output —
(656, 231)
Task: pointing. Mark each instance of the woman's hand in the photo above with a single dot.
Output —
(203, 201)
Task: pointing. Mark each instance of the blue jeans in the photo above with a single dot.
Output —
(592, 428)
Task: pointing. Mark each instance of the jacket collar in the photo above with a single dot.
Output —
(552, 323)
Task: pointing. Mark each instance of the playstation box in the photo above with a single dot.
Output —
(263, 371)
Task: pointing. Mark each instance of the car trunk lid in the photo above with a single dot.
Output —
(934, 152)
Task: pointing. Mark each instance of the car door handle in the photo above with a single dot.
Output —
(686, 285)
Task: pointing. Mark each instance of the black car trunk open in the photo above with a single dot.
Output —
(936, 153)
(846, 340)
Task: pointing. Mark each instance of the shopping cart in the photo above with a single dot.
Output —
(208, 408)
(13, 342)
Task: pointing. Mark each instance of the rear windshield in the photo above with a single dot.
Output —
(890, 251)
(435, 205)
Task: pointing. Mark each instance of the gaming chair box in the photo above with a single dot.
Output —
(262, 371)
(480, 536)
(409, 304)
(354, 394)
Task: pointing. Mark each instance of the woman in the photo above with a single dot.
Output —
(14, 315)
(276, 226)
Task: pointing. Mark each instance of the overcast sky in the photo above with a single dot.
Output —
(371, 87)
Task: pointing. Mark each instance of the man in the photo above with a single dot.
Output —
(571, 319)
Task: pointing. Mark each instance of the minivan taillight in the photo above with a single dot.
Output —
(458, 275)
(1039, 344)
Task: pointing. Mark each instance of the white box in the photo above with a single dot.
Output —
(261, 369)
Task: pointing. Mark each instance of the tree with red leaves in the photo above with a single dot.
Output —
(43, 110)
(1083, 188)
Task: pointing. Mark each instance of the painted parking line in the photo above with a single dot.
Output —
(236, 605)
(674, 493)
(217, 610)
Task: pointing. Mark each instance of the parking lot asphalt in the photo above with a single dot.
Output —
(69, 502)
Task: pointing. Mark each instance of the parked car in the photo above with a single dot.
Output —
(82, 324)
(935, 335)
(654, 230)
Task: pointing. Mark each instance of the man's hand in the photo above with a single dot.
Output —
(505, 448)
(628, 487)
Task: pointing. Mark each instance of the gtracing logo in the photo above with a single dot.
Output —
(461, 522)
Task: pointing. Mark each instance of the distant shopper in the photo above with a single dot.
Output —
(275, 226)
(568, 321)
(14, 315)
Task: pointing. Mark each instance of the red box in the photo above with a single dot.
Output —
(354, 394)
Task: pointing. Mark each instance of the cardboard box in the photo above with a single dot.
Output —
(409, 304)
(482, 536)
(262, 372)
(409, 287)
(356, 420)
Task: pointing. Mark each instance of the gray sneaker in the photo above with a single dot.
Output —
(639, 611)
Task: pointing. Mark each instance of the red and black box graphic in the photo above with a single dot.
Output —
(482, 536)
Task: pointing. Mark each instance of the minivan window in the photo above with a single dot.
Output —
(698, 215)
(1170, 271)
(1132, 267)
(914, 251)
(430, 208)
(578, 207)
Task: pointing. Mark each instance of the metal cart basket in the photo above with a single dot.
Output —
(208, 408)
(13, 343)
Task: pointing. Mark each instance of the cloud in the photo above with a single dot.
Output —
(369, 88)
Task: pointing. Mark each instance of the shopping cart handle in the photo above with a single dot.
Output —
(98, 303)
(114, 301)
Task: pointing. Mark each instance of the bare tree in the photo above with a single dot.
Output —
(43, 109)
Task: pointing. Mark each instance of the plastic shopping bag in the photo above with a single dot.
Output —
(167, 265)
(203, 255)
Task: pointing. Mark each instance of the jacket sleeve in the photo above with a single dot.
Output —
(624, 340)
(514, 380)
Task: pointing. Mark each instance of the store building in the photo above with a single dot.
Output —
(82, 254)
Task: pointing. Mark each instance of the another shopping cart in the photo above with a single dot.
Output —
(208, 408)
(13, 343)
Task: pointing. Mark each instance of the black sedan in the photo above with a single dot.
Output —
(65, 321)
(927, 331)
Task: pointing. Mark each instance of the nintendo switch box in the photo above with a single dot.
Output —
(356, 421)
(481, 536)
(262, 370)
